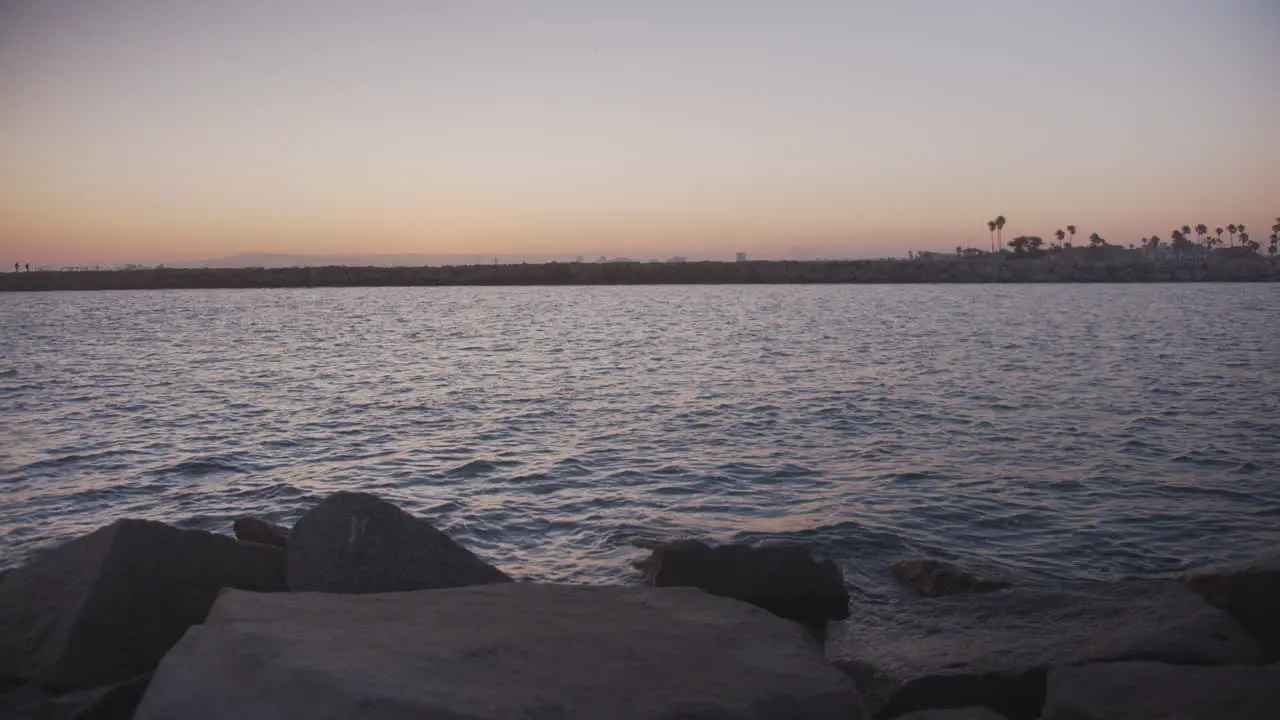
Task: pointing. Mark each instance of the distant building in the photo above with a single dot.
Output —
(742, 257)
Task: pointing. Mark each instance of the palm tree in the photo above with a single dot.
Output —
(1186, 230)
(1219, 233)
(991, 228)
(1071, 230)
(1095, 240)
(1154, 243)
(1244, 240)
(1000, 231)
(1059, 234)
(1201, 231)
(1178, 240)
(1275, 241)
(1231, 231)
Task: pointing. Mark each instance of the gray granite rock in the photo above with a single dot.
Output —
(935, 578)
(1250, 591)
(1153, 691)
(514, 650)
(359, 543)
(251, 529)
(107, 606)
(994, 649)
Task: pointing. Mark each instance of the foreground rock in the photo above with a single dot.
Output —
(935, 578)
(107, 606)
(359, 543)
(1250, 591)
(969, 713)
(1152, 691)
(496, 651)
(251, 529)
(117, 701)
(785, 580)
(994, 649)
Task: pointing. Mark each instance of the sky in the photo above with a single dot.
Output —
(163, 130)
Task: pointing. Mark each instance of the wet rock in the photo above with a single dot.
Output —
(359, 543)
(994, 649)
(1153, 691)
(1250, 591)
(935, 578)
(970, 713)
(785, 580)
(107, 606)
(496, 651)
(251, 529)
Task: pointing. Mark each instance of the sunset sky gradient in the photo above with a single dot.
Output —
(163, 130)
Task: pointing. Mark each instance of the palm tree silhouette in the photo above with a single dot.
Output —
(1201, 231)
(1000, 231)
(1071, 230)
(1219, 233)
(1059, 234)
(991, 228)
(1231, 231)
(1244, 241)
(1095, 240)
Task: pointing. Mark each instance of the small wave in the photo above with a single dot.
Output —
(474, 468)
(199, 467)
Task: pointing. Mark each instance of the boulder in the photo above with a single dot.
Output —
(513, 650)
(359, 543)
(251, 529)
(784, 579)
(1250, 591)
(975, 712)
(1153, 691)
(935, 578)
(107, 606)
(994, 649)
(116, 701)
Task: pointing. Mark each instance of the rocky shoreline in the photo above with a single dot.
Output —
(363, 610)
(1080, 265)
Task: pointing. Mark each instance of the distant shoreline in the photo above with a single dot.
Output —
(1079, 267)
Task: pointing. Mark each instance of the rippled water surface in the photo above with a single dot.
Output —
(1049, 432)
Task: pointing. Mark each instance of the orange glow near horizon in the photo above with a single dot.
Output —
(159, 133)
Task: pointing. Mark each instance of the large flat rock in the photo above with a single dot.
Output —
(994, 649)
(359, 543)
(1153, 691)
(108, 605)
(516, 650)
(1250, 591)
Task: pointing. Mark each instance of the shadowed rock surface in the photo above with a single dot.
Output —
(785, 580)
(497, 651)
(1152, 691)
(994, 649)
(358, 543)
(108, 605)
(117, 701)
(969, 713)
(935, 578)
(251, 529)
(1250, 591)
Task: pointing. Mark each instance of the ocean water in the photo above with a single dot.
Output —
(1051, 433)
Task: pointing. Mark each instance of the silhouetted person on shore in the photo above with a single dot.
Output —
(28, 267)
(15, 267)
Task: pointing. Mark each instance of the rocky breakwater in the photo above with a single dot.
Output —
(363, 610)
